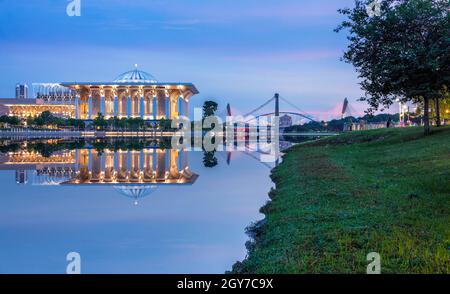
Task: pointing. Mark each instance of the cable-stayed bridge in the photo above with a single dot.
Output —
(339, 111)
(256, 113)
(252, 148)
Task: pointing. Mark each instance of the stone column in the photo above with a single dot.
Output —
(148, 104)
(96, 103)
(137, 105)
(96, 167)
(122, 170)
(109, 104)
(148, 164)
(144, 105)
(135, 170)
(122, 102)
(109, 166)
(83, 165)
(160, 165)
(116, 105)
(173, 103)
(134, 102)
(77, 106)
(89, 107)
(128, 102)
(141, 106)
(161, 103)
(84, 107)
(174, 172)
(103, 104)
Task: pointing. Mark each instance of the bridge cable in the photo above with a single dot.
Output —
(304, 114)
(260, 107)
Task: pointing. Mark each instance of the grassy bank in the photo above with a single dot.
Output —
(337, 199)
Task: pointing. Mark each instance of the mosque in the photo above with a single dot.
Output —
(132, 94)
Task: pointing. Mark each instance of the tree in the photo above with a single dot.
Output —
(47, 117)
(209, 108)
(12, 120)
(209, 159)
(136, 123)
(403, 52)
(77, 123)
(165, 124)
(100, 122)
(122, 123)
(442, 111)
(30, 121)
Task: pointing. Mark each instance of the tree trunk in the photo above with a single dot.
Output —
(426, 116)
(438, 113)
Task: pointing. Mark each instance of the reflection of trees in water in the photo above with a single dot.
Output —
(209, 159)
(13, 147)
(135, 144)
(44, 147)
(47, 147)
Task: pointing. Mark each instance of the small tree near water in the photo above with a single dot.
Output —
(209, 108)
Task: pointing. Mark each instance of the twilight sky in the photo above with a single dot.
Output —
(237, 51)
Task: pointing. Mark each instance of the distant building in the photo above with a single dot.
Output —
(21, 91)
(363, 126)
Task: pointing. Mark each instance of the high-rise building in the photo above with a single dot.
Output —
(21, 91)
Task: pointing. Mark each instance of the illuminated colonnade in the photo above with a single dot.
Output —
(145, 166)
(146, 102)
(133, 94)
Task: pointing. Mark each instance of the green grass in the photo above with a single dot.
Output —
(338, 199)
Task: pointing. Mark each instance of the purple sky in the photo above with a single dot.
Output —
(240, 52)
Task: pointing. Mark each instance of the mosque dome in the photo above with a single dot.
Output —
(135, 192)
(135, 76)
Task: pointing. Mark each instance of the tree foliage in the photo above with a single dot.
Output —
(12, 120)
(100, 122)
(403, 53)
(46, 118)
(209, 108)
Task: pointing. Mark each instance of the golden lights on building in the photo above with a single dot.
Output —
(132, 94)
(90, 167)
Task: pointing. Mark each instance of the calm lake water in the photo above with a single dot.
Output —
(126, 207)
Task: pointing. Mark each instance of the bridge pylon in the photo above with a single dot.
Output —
(277, 105)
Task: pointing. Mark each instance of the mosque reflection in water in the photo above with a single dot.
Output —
(134, 173)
